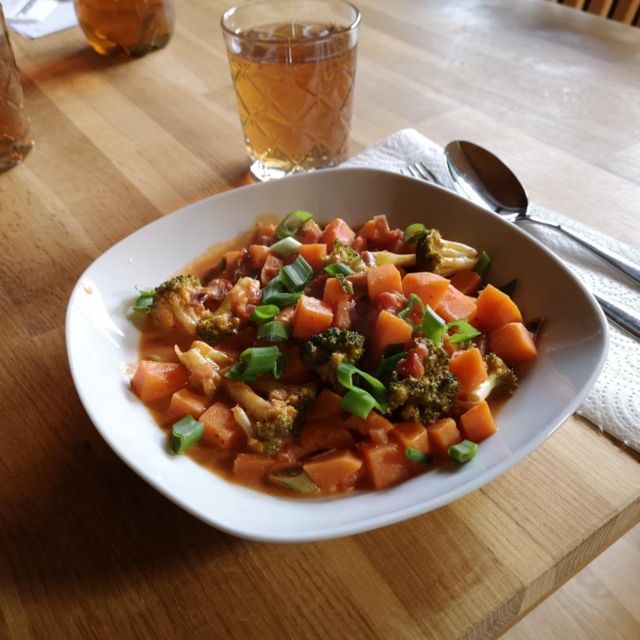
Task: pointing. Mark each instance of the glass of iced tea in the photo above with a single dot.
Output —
(293, 65)
(15, 137)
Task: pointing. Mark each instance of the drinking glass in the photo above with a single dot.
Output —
(15, 139)
(132, 27)
(293, 65)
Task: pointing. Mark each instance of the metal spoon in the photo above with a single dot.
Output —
(486, 180)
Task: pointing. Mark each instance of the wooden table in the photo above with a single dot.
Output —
(87, 549)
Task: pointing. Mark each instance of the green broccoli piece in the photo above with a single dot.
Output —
(428, 397)
(346, 255)
(443, 257)
(272, 421)
(177, 303)
(500, 378)
(325, 351)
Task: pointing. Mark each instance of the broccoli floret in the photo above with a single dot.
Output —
(204, 364)
(325, 351)
(443, 257)
(272, 421)
(177, 303)
(397, 259)
(224, 321)
(346, 255)
(429, 396)
(500, 377)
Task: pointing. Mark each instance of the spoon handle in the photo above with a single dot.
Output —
(626, 266)
(622, 317)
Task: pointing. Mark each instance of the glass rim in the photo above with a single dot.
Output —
(355, 23)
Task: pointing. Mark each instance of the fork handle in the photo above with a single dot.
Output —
(626, 266)
(622, 317)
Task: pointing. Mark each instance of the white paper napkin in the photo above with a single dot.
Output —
(41, 18)
(614, 402)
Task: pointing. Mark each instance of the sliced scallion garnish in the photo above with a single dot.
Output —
(413, 302)
(463, 451)
(282, 299)
(339, 269)
(255, 362)
(414, 232)
(274, 331)
(433, 326)
(145, 300)
(292, 223)
(389, 363)
(296, 275)
(416, 456)
(345, 372)
(285, 247)
(463, 331)
(483, 265)
(264, 313)
(358, 402)
(185, 433)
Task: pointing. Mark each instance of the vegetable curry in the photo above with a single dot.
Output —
(319, 359)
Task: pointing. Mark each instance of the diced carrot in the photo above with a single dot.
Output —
(372, 426)
(326, 406)
(386, 277)
(312, 316)
(429, 287)
(411, 435)
(478, 423)
(455, 305)
(314, 254)
(389, 329)
(469, 367)
(443, 434)
(295, 370)
(251, 468)
(496, 308)
(334, 471)
(220, 427)
(513, 343)
(385, 464)
(258, 254)
(338, 230)
(185, 402)
(467, 282)
(334, 294)
(327, 434)
(154, 380)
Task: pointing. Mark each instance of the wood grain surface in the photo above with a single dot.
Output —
(87, 549)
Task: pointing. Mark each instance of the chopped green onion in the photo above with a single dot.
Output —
(463, 451)
(292, 223)
(464, 331)
(389, 364)
(185, 433)
(483, 265)
(433, 326)
(358, 402)
(345, 284)
(283, 300)
(416, 456)
(413, 232)
(255, 362)
(339, 269)
(296, 275)
(275, 285)
(413, 302)
(285, 247)
(295, 480)
(264, 313)
(509, 288)
(145, 299)
(345, 372)
(274, 331)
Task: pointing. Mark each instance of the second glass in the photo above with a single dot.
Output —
(293, 65)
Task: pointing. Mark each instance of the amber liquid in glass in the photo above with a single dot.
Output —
(294, 88)
(133, 27)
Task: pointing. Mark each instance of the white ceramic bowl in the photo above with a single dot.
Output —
(102, 343)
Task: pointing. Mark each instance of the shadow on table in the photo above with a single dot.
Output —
(87, 522)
